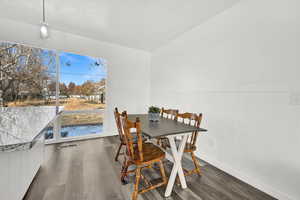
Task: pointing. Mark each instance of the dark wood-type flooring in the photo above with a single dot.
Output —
(86, 170)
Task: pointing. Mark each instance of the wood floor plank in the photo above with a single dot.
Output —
(73, 182)
(86, 170)
(54, 192)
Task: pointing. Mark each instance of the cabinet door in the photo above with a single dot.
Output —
(4, 174)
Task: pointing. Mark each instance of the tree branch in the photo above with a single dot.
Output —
(6, 48)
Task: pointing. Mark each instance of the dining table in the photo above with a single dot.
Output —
(170, 129)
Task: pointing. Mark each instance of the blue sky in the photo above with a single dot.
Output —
(78, 69)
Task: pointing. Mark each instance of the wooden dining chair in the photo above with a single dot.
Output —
(120, 132)
(117, 115)
(190, 146)
(142, 155)
(168, 114)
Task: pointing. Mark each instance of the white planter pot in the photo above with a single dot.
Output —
(154, 117)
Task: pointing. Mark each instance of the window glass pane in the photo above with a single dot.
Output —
(27, 91)
(81, 124)
(29, 79)
(82, 94)
(27, 76)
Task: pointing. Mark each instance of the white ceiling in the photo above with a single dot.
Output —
(141, 24)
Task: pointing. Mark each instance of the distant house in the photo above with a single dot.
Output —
(99, 94)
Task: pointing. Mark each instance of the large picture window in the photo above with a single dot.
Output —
(72, 84)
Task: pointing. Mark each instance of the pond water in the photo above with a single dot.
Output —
(78, 130)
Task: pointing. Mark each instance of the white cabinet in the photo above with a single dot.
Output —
(17, 170)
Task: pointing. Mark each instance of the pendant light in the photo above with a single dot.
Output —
(44, 32)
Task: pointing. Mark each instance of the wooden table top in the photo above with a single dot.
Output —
(162, 128)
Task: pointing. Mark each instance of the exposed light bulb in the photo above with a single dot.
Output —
(44, 32)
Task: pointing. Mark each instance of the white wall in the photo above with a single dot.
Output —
(128, 69)
(241, 69)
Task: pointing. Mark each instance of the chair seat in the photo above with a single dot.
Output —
(151, 153)
(188, 146)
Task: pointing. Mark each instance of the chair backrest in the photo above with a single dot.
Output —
(191, 119)
(169, 113)
(133, 149)
(119, 124)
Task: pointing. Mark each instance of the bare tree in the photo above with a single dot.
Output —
(88, 88)
(71, 88)
(23, 71)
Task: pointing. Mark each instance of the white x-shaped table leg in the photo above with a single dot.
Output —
(177, 167)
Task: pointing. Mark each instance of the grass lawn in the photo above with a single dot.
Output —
(81, 104)
(81, 119)
(69, 105)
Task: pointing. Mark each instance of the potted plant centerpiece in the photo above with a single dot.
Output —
(154, 113)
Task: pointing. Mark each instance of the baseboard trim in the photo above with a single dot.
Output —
(257, 184)
(78, 138)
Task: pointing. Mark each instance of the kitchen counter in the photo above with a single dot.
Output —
(21, 126)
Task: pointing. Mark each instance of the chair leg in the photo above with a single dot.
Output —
(124, 172)
(162, 171)
(118, 152)
(196, 163)
(177, 181)
(137, 181)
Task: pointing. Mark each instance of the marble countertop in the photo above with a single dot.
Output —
(21, 125)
